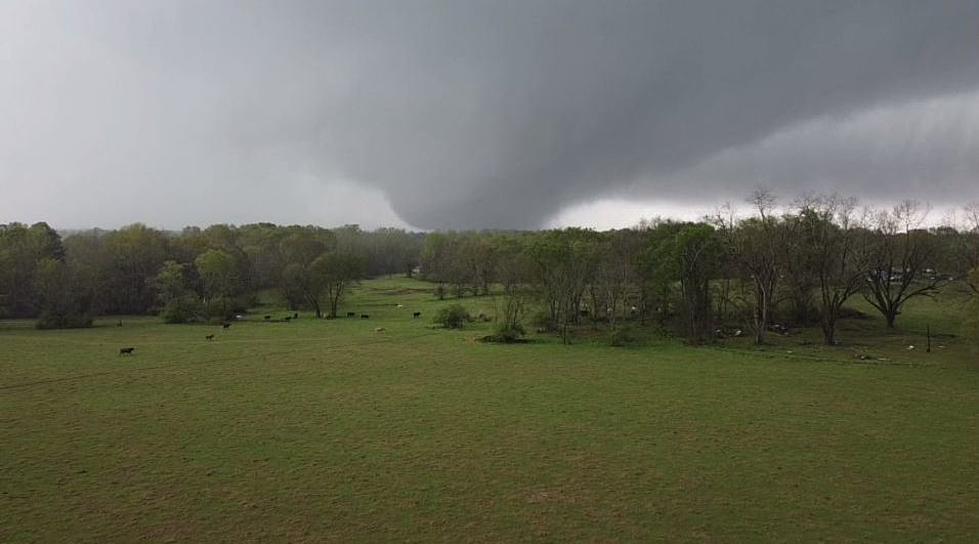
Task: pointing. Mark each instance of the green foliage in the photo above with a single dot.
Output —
(621, 337)
(333, 273)
(453, 316)
(61, 305)
(22, 249)
(182, 309)
(134, 256)
(691, 258)
(49, 320)
(219, 276)
(504, 334)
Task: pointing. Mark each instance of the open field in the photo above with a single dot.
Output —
(322, 430)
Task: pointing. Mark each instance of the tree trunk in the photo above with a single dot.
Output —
(891, 317)
(829, 332)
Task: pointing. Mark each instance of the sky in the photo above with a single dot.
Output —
(464, 114)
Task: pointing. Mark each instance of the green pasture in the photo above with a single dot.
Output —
(334, 431)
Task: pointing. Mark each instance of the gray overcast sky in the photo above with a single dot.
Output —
(467, 114)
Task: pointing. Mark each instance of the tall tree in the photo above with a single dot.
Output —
(219, 276)
(898, 254)
(696, 254)
(828, 229)
(22, 249)
(564, 263)
(334, 272)
(62, 304)
(136, 254)
(756, 246)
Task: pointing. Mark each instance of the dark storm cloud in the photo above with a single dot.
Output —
(477, 114)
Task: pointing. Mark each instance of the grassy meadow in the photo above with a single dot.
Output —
(332, 431)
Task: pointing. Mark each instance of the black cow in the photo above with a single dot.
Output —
(209, 337)
(288, 318)
(365, 316)
(268, 317)
(225, 325)
(126, 351)
(351, 314)
(416, 314)
(295, 315)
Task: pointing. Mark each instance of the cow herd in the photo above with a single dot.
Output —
(268, 318)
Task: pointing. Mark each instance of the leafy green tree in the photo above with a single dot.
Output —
(333, 273)
(693, 256)
(135, 255)
(61, 305)
(22, 248)
(178, 302)
(219, 276)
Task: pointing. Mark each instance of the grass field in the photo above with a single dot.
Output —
(320, 430)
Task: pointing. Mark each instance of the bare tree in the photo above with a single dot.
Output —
(615, 274)
(898, 254)
(829, 229)
(756, 245)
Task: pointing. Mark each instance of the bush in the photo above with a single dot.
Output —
(507, 335)
(452, 317)
(622, 337)
(183, 309)
(49, 320)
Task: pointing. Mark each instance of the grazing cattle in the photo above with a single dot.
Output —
(225, 325)
(416, 314)
(268, 317)
(288, 318)
(351, 314)
(119, 324)
(365, 316)
(379, 329)
(401, 305)
(126, 351)
(209, 337)
(295, 315)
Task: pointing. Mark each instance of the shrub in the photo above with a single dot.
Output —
(507, 335)
(50, 320)
(183, 309)
(452, 317)
(622, 337)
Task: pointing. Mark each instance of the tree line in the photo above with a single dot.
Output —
(194, 274)
(776, 267)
